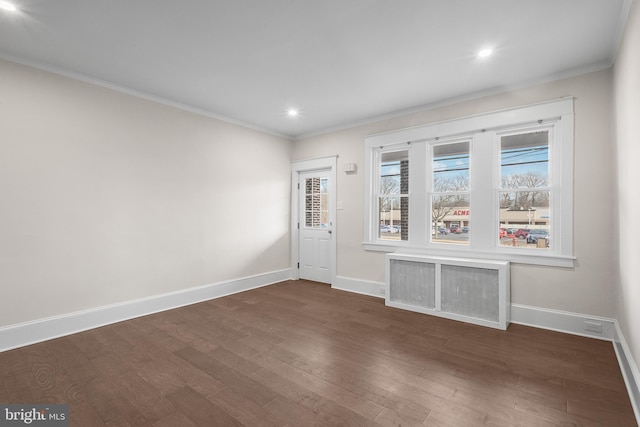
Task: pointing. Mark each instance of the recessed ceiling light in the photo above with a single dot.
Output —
(292, 112)
(484, 53)
(8, 6)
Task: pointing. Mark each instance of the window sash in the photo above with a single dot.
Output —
(400, 217)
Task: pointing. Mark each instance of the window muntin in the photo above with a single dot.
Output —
(393, 195)
(525, 189)
(450, 190)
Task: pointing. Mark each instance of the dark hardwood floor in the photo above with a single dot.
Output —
(302, 354)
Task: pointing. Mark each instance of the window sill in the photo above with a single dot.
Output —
(546, 259)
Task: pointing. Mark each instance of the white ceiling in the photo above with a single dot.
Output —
(340, 62)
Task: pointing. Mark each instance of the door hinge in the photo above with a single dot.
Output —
(298, 265)
(298, 226)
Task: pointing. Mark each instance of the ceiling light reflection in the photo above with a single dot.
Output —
(8, 6)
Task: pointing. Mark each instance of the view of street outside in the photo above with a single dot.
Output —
(523, 195)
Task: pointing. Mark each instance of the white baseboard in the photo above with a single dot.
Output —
(358, 286)
(562, 321)
(22, 334)
(629, 370)
(555, 320)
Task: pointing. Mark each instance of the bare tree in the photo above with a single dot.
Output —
(524, 199)
(389, 186)
(505, 200)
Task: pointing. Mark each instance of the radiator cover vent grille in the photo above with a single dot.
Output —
(475, 291)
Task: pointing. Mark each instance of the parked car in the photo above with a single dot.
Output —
(455, 229)
(385, 229)
(465, 229)
(507, 232)
(442, 230)
(395, 228)
(522, 233)
(536, 234)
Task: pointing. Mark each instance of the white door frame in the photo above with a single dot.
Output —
(323, 163)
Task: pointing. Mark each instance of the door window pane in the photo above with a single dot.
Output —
(316, 206)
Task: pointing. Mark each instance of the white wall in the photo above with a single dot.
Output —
(589, 287)
(627, 105)
(106, 197)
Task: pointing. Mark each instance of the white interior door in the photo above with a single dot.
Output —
(315, 225)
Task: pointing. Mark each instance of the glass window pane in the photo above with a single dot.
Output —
(524, 211)
(394, 172)
(392, 221)
(450, 184)
(393, 210)
(525, 219)
(524, 160)
(324, 185)
(324, 202)
(450, 219)
(308, 211)
(316, 204)
(451, 167)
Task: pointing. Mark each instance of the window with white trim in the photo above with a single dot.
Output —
(450, 191)
(525, 188)
(497, 185)
(393, 195)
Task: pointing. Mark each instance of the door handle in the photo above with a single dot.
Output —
(330, 231)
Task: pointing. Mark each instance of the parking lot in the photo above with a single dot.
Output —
(463, 238)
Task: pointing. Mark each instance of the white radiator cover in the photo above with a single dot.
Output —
(469, 290)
